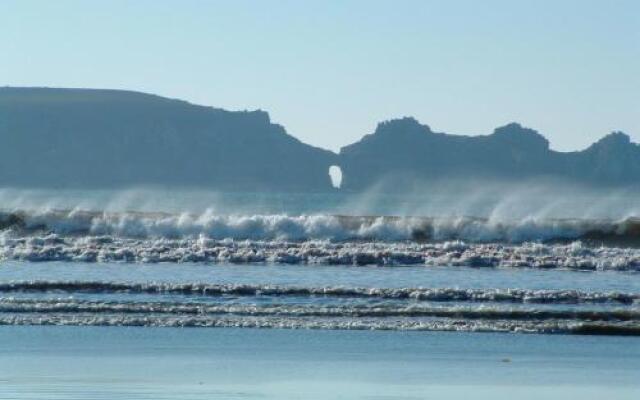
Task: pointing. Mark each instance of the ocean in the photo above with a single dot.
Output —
(156, 294)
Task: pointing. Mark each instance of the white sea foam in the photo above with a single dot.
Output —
(573, 256)
(76, 235)
(351, 310)
(319, 226)
(510, 295)
(105, 303)
(330, 323)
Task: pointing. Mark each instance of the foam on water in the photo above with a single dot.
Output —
(333, 323)
(352, 310)
(319, 239)
(317, 226)
(261, 322)
(431, 294)
(72, 248)
(403, 315)
(199, 304)
(75, 236)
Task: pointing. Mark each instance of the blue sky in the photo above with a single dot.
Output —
(329, 71)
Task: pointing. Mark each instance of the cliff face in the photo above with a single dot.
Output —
(84, 138)
(107, 138)
(612, 160)
(402, 154)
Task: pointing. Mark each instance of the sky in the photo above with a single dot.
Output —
(329, 71)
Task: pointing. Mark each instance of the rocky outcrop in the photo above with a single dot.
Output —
(403, 154)
(77, 138)
(86, 138)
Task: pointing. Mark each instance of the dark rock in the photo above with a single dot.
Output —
(84, 138)
(403, 155)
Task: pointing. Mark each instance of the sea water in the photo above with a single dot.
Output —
(168, 363)
(148, 295)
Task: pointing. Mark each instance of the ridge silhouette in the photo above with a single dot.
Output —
(93, 138)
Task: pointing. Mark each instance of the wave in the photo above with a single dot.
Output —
(71, 306)
(573, 256)
(298, 307)
(558, 327)
(424, 294)
(319, 239)
(319, 227)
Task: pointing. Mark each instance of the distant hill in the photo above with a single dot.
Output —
(402, 154)
(85, 138)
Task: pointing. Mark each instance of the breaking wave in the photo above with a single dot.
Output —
(104, 303)
(416, 318)
(572, 256)
(319, 239)
(426, 294)
(558, 327)
(67, 305)
(319, 227)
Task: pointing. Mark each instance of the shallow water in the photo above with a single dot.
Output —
(320, 297)
(324, 275)
(114, 363)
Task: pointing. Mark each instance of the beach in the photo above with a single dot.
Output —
(157, 363)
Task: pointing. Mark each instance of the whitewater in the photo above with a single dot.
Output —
(322, 262)
(151, 237)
